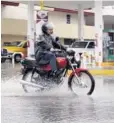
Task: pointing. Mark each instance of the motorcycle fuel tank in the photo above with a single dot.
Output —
(62, 62)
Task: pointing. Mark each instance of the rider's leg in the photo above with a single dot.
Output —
(52, 59)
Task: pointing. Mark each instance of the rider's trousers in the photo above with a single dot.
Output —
(52, 58)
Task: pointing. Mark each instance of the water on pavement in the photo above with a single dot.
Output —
(58, 105)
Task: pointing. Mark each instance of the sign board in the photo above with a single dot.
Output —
(41, 18)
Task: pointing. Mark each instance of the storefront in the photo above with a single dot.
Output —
(108, 45)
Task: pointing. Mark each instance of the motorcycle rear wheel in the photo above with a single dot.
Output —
(41, 82)
(27, 77)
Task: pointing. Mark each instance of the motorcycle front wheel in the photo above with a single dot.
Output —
(85, 85)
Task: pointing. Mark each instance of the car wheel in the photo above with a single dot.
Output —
(3, 60)
(17, 58)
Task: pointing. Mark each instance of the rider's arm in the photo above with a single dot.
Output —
(43, 44)
(58, 45)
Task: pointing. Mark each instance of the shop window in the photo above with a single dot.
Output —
(68, 41)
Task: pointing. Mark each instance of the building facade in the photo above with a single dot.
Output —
(14, 23)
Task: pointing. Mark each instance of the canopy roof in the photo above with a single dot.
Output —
(71, 4)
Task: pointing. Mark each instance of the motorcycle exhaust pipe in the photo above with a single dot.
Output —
(31, 84)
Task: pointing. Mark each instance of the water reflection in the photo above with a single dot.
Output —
(67, 110)
(52, 109)
(7, 70)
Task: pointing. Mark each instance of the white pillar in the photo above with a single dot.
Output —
(30, 28)
(99, 25)
(81, 22)
(2, 11)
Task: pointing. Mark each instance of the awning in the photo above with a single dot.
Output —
(108, 30)
(9, 3)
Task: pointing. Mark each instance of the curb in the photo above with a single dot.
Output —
(106, 64)
(102, 72)
(99, 72)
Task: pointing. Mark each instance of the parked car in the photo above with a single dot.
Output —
(18, 51)
(82, 46)
(14, 43)
(3, 55)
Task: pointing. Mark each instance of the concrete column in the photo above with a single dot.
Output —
(81, 22)
(99, 25)
(30, 28)
(2, 11)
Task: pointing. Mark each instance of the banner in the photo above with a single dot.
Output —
(41, 18)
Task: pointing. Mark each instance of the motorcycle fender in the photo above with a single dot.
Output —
(77, 71)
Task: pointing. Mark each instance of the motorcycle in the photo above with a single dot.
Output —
(40, 77)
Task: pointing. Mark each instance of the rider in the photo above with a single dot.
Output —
(44, 45)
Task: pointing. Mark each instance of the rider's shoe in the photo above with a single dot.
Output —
(52, 73)
(56, 73)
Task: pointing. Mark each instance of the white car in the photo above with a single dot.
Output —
(82, 46)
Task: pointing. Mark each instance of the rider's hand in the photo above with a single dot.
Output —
(51, 49)
(65, 48)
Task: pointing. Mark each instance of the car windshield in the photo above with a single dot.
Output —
(79, 44)
(91, 45)
(20, 45)
(11, 43)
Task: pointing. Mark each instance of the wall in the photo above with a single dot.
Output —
(14, 22)
(60, 17)
(11, 38)
(13, 12)
(108, 10)
(19, 27)
(14, 27)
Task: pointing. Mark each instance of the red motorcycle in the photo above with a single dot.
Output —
(39, 77)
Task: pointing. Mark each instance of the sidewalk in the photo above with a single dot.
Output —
(107, 68)
(100, 71)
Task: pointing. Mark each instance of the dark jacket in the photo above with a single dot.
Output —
(43, 46)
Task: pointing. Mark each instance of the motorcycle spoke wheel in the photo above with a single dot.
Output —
(31, 79)
(85, 86)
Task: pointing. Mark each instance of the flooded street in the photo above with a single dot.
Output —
(58, 105)
(65, 51)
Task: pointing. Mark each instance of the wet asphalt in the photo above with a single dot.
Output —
(56, 106)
